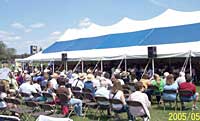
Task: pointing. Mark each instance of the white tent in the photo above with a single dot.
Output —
(168, 19)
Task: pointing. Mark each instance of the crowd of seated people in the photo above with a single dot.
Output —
(101, 84)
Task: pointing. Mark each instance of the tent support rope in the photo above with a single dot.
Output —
(145, 69)
(118, 67)
(76, 65)
(96, 66)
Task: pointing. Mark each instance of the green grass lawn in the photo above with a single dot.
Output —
(157, 114)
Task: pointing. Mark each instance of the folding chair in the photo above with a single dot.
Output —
(49, 98)
(64, 102)
(46, 109)
(115, 102)
(25, 96)
(32, 107)
(136, 104)
(170, 101)
(76, 89)
(85, 90)
(78, 94)
(155, 91)
(89, 101)
(3, 109)
(8, 118)
(36, 95)
(20, 109)
(103, 104)
(185, 94)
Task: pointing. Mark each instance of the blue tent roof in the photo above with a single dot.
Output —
(155, 36)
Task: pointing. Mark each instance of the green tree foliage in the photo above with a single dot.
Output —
(6, 53)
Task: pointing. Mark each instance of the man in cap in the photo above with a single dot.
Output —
(54, 77)
(79, 82)
(89, 84)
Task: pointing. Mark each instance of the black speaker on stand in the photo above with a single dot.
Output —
(64, 60)
(152, 52)
(64, 56)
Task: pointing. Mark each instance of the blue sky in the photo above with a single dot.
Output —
(41, 22)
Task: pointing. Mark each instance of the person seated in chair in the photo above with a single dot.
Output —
(188, 85)
(158, 82)
(141, 97)
(170, 85)
(72, 101)
(117, 93)
(89, 83)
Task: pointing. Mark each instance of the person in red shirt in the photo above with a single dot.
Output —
(188, 85)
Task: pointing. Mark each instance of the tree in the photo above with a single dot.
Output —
(6, 53)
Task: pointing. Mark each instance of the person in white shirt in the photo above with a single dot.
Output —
(106, 75)
(181, 78)
(73, 78)
(117, 76)
(117, 93)
(4, 72)
(142, 98)
(102, 91)
(54, 80)
(27, 87)
(36, 85)
(96, 82)
(80, 81)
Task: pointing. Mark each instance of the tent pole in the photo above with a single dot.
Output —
(41, 65)
(101, 65)
(125, 62)
(22, 66)
(82, 66)
(31, 67)
(190, 64)
(66, 66)
(53, 67)
(153, 69)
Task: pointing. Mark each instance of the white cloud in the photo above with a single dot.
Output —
(7, 36)
(37, 25)
(56, 33)
(27, 30)
(85, 22)
(18, 25)
(3, 33)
